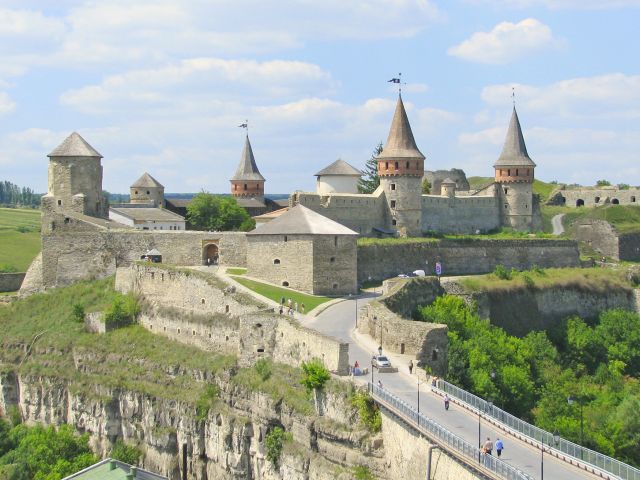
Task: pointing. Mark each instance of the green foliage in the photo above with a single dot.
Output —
(368, 410)
(502, 273)
(236, 271)
(264, 368)
(6, 268)
(217, 213)
(123, 311)
(603, 183)
(426, 187)
(315, 375)
(77, 312)
(206, 401)
(362, 472)
(39, 453)
(370, 180)
(126, 453)
(274, 442)
(623, 186)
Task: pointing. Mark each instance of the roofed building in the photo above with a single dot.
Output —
(147, 190)
(110, 469)
(306, 251)
(338, 177)
(147, 218)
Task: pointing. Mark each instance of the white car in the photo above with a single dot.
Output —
(381, 361)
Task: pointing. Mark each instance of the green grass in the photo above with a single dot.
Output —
(625, 218)
(543, 189)
(591, 279)
(502, 234)
(19, 237)
(364, 241)
(276, 293)
(236, 271)
(478, 182)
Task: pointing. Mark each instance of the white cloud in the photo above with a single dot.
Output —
(614, 95)
(6, 104)
(28, 31)
(505, 43)
(562, 4)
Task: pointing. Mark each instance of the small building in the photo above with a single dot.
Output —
(147, 191)
(305, 251)
(110, 469)
(146, 218)
(339, 177)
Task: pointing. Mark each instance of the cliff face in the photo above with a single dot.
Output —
(228, 443)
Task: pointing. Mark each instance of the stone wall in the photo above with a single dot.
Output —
(460, 214)
(77, 250)
(404, 295)
(629, 247)
(10, 282)
(600, 236)
(463, 257)
(436, 177)
(335, 265)
(593, 197)
(32, 282)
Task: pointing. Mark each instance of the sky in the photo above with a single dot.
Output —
(162, 85)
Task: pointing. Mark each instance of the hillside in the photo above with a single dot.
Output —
(19, 237)
(541, 188)
(625, 218)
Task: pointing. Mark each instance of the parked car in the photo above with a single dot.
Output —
(381, 361)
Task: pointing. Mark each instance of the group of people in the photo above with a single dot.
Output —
(487, 447)
(290, 306)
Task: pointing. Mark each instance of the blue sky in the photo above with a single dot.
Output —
(161, 85)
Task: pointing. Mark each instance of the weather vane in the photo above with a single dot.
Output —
(513, 95)
(245, 125)
(397, 80)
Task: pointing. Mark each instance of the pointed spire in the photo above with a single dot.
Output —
(247, 168)
(400, 143)
(74, 146)
(514, 151)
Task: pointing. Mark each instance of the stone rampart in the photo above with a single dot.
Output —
(593, 197)
(463, 257)
(605, 239)
(460, 214)
(32, 282)
(10, 282)
(405, 295)
(629, 247)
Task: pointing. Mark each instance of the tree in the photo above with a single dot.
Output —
(126, 453)
(603, 183)
(426, 187)
(315, 376)
(370, 179)
(213, 212)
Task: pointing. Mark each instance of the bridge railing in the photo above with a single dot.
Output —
(441, 435)
(582, 454)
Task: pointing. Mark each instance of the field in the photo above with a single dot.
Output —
(19, 237)
(276, 293)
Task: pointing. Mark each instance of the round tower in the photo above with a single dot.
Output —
(514, 174)
(247, 181)
(75, 179)
(147, 190)
(448, 188)
(401, 168)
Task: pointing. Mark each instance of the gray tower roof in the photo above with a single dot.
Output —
(74, 146)
(447, 181)
(514, 151)
(146, 181)
(400, 143)
(301, 220)
(247, 168)
(339, 167)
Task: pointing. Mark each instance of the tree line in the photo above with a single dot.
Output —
(15, 196)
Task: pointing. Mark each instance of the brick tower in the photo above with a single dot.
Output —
(247, 181)
(514, 175)
(401, 167)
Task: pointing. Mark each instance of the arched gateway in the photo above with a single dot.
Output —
(210, 254)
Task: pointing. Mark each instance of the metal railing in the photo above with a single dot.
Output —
(435, 431)
(579, 453)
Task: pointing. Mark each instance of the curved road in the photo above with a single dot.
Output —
(556, 223)
(339, 321)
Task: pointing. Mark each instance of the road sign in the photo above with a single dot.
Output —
(438, 268)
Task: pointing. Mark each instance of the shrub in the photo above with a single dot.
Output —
(264, 368)
(528, 281)
(123, 311)
(368, 411)
(6, 268)
(501, 272)
(315, 375)
(206, 401)
(362, 472)
(274, 441)
(126, 453)
(77, 312)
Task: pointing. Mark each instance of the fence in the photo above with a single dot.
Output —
(444, 437)
(579, 453)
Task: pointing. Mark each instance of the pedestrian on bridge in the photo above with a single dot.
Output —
(488, 446)
(410, 367)
(499, 447)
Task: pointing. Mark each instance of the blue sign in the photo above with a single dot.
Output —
(438, 268)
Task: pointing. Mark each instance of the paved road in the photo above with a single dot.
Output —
(339, 321)
(556, 222)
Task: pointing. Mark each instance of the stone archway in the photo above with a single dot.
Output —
(211, 254)
(580, 203)
(615, 201)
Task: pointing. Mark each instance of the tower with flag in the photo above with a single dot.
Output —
(247, 181)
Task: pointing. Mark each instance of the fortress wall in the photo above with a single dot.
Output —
(10, 282)
(463, 257)
(461, 215)
(75, 254)
(341, 272)
(361, 213)
(588, 195)
(600, 236)
(629, 245)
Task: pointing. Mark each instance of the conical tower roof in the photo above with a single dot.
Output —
(301, 220)
(74, 146)
(339, 167)
(400, 143)
(514, 151)
(247, 168)
(146, 181)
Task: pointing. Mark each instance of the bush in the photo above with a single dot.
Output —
(6, 268)
(502, 273)
(368, 411)
(362, 472)
(274, 442)
(77, 312)
(528, 281)
(315, 375)
(264, 368)
(126, 453)
(206, 401)
(123, 311)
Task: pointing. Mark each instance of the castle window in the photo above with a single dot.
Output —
(285, 284)
(633, 199)
(335, 285)
(261, 350)
(332, 259)
(178, 330)
(386, 165)
(516, 172)
(509, 172)
(136, 192)
(506, 190)
(258, 186)
(148, 192)
(335, 241)
(285, 238)
(202, 301)
(407, 164)
(59, 202)
(245, 186)
(67, 220)
(393, 204)
(193, 332)
(597, 199)
(226, 309)
(506, 205)
(393, 186)
(276, 261)
(393, 222)
(397, 165)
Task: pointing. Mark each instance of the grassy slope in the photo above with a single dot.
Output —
(626, 218)
(595, 279)
(19, 249)
(541, 188)
(276, 293)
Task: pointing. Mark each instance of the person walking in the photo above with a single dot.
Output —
(446, 401)
(487, 447)
(296, 306)
(410, 367)
(499, 447)
(282, 301)
(302, 307)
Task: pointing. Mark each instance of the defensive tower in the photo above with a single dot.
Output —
(514, 174)
(147, 190)
(75, 179)
(401, 168)
(247, 181)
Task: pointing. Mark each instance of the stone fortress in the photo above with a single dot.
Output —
(595, 196)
